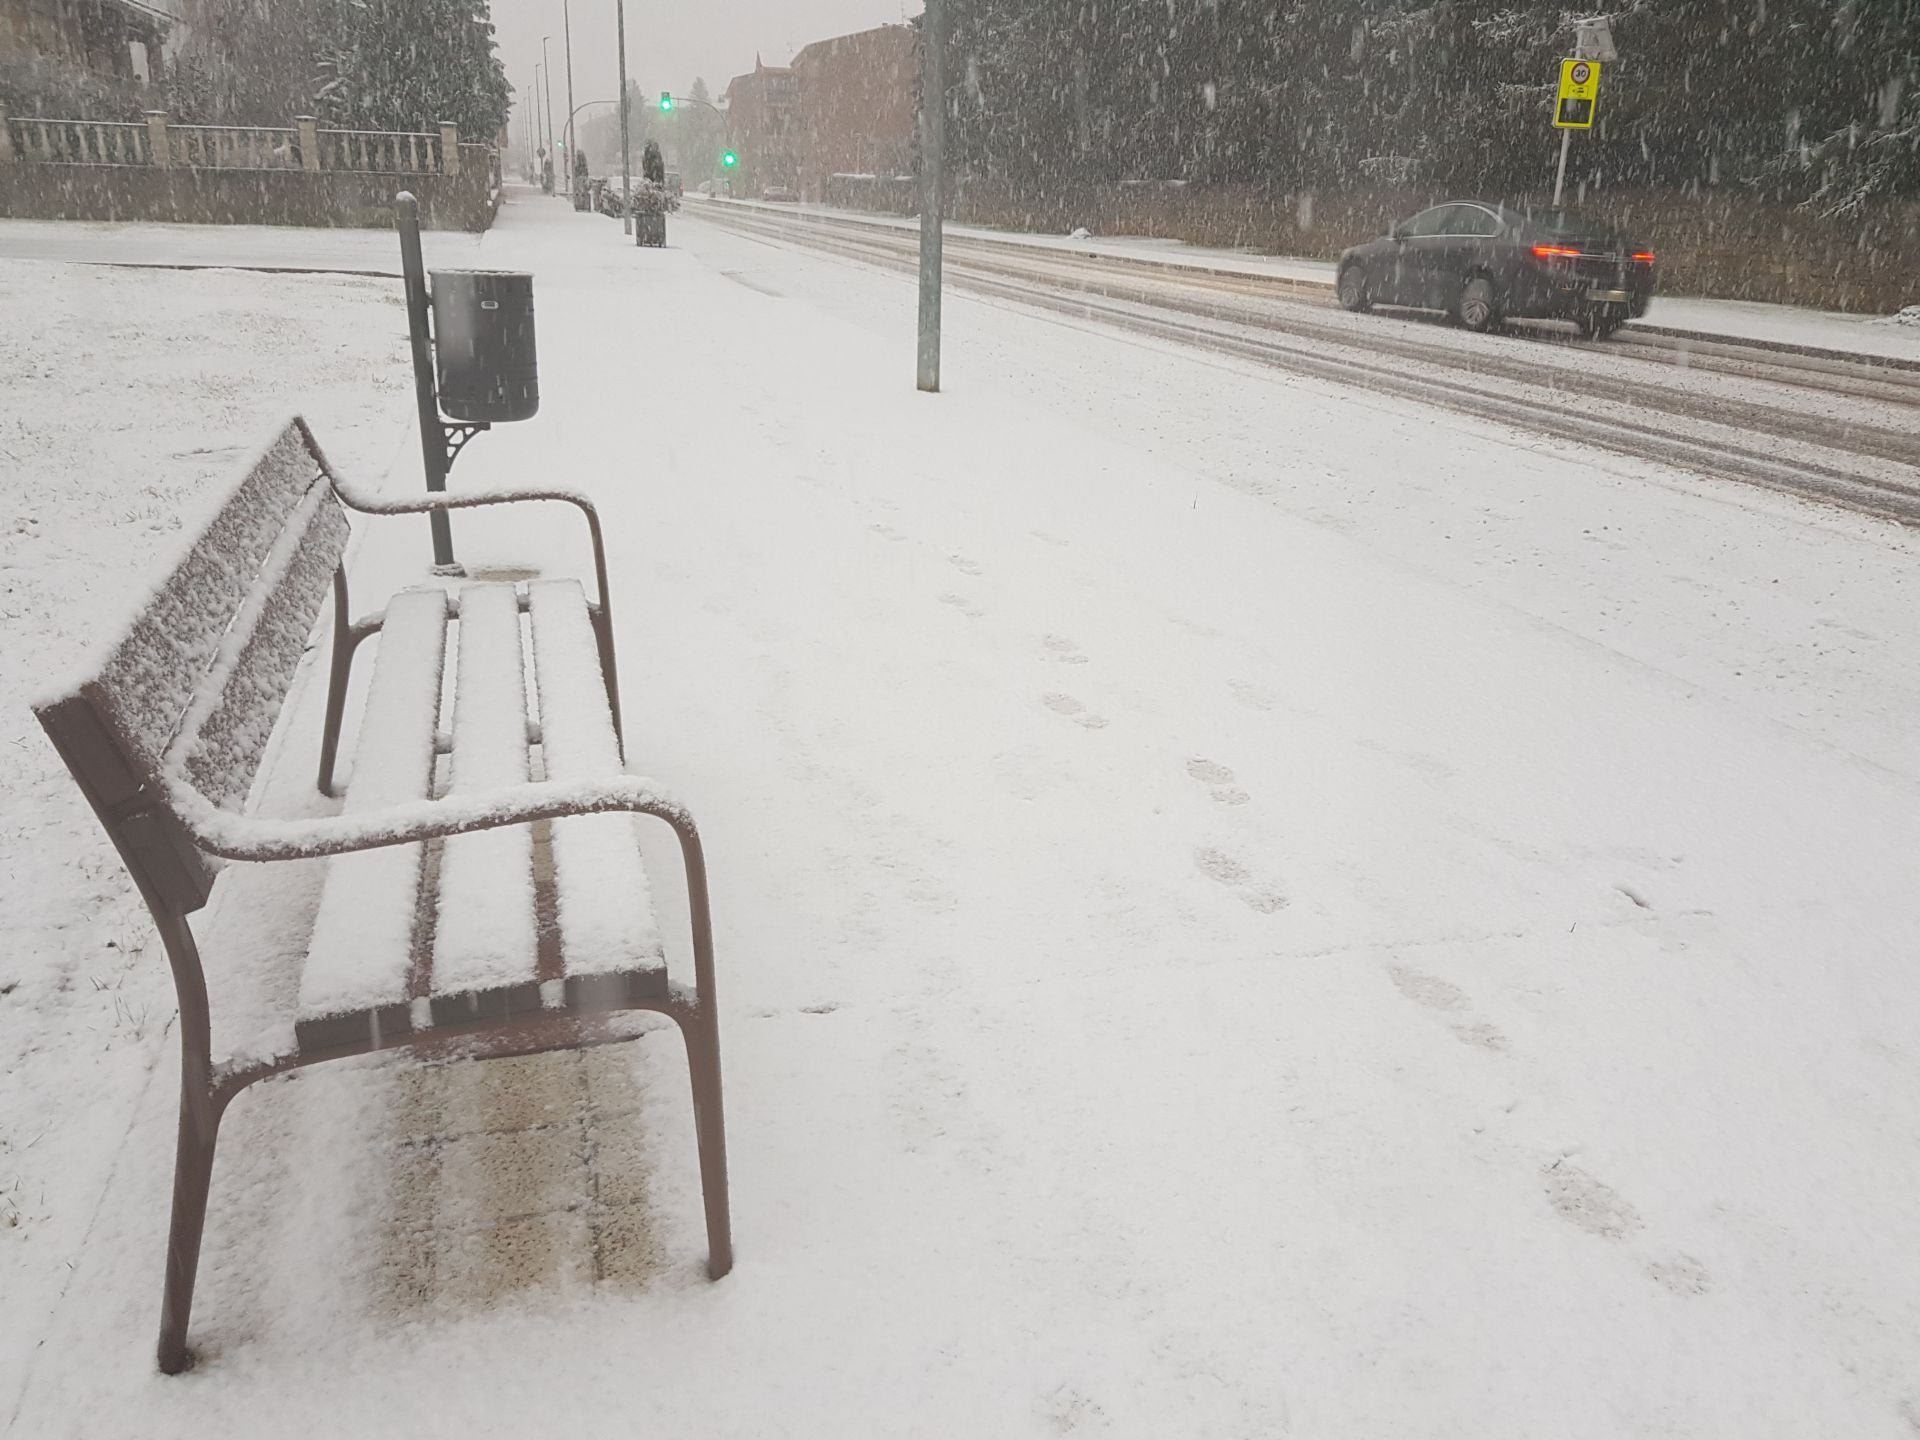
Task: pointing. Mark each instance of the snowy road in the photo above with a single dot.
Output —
(1249, 907)
(1846, 430)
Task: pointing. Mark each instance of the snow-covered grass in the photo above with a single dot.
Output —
(129, 395)
(1242, 910)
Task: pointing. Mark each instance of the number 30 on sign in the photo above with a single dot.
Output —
(1579, 95)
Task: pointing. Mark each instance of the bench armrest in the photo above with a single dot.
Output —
(244, 837)
(370, 504)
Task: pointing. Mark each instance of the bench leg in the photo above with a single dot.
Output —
(192, 1177)
(701, 1031)
(343, 648)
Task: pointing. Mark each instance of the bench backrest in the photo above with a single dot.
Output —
(192, 689)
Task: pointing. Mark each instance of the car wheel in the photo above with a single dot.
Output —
(1351, 286)
(1600, 327)
(1479, 307)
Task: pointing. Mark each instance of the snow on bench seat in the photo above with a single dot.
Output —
(358, 961)
(485, 950)
(609, 939)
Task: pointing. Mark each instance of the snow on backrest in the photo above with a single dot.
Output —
(194, 687)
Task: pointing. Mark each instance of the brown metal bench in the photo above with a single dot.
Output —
(451, 923)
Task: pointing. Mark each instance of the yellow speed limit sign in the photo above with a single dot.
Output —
(1579, 94)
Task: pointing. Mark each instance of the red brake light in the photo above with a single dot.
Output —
(1556, 252)
(1645, 257)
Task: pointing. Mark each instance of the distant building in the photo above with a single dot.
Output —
(858, 98)
(763, 129)
(49, 48)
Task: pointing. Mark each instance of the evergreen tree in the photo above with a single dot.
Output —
(1813, 100)
(410, 65)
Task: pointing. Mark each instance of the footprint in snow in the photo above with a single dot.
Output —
(888, 531)
(1212, 772)
(1683, 1275)
(1071, 708)
(965, 606)
(1434, 993)
(1061, 649)
(1588, 1203)
(1483, 1035)
(1428, 990)
(1251, 696)
(964, 565)
(1218, 865)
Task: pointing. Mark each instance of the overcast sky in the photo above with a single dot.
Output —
(669, 42)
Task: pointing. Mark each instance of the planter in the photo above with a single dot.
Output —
(650, 228)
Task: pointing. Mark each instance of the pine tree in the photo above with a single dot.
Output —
(411, 65)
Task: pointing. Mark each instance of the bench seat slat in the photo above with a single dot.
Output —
(485, 949)
(358, 961)
(610, 941)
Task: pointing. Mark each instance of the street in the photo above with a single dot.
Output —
(1249, 904)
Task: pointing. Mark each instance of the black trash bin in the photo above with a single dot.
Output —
(483, 343)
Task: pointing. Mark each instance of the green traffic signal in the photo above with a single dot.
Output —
(728, 160)
(666, 102)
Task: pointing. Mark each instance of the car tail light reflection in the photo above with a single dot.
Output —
(1556, 252)
(1645, 257)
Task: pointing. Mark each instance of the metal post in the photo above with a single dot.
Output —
(548, 61)
(566, 25)
(933, 134)
(626, 134)
(433, 439)
(1560, 176)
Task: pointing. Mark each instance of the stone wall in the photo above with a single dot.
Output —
(43, 191)
(1723, 245)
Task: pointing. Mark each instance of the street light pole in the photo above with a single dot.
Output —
(566, 22)
(933, 128)
(548, 59)
(539, 129)
(626, 133)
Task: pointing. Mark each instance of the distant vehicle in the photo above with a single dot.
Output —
(706, 187)
(675, 185)
(1484, 263)
(779, 194)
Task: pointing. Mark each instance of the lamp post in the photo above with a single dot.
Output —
(583, 105)
(626, 133)
(549, 68)
(545, 151)
(933, 129)
(566, 25)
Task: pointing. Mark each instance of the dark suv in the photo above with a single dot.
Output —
(1485, 263)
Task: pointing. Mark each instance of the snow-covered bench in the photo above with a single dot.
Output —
(442, 925)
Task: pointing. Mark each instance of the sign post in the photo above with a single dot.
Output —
(1573, 110)
(1579, 98)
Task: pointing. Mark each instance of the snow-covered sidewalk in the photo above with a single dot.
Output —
(1198, 957)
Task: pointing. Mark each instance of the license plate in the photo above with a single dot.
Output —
(1607, 297)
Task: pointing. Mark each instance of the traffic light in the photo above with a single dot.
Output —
(729, 159)
(666, 102)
